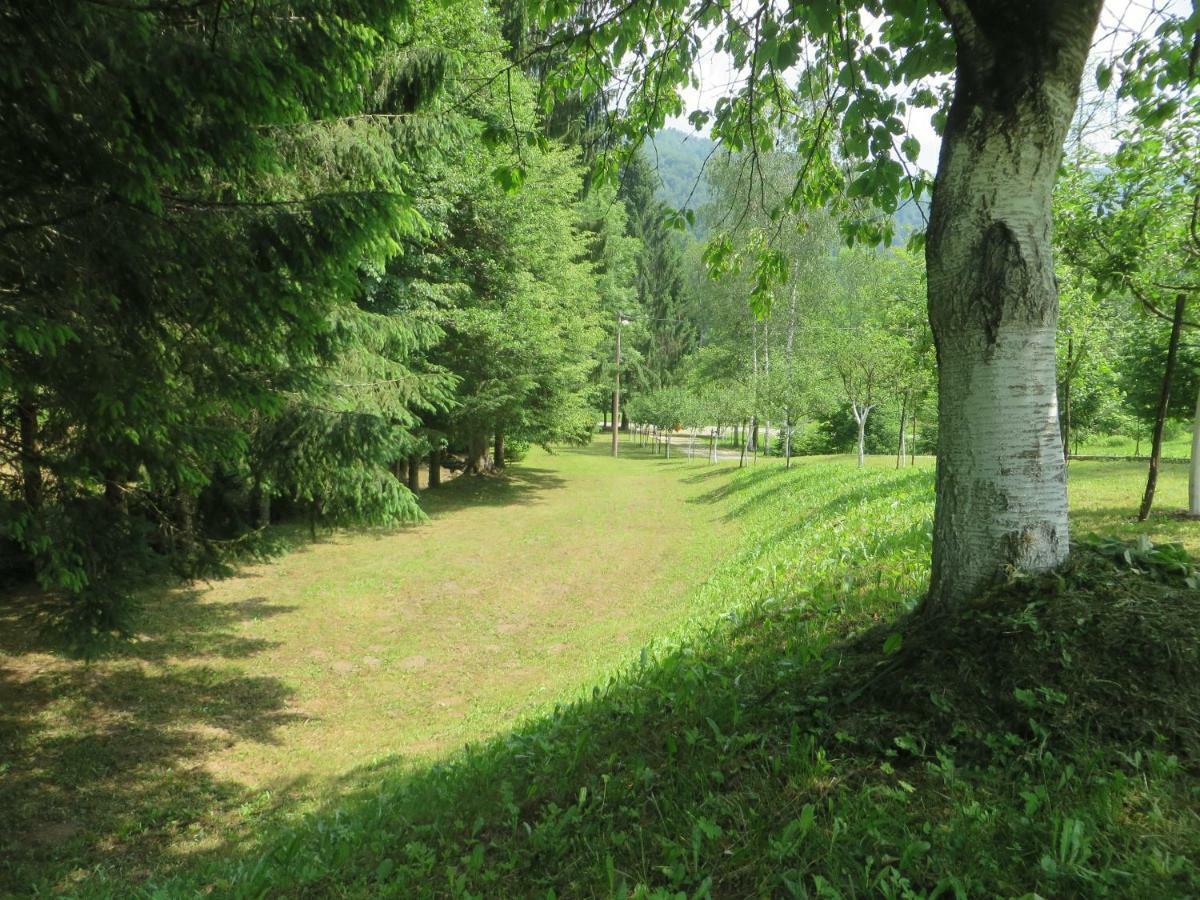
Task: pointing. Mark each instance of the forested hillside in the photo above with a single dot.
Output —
(680, 160)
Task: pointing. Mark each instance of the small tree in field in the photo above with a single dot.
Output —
(866, 365)
(1133, 221)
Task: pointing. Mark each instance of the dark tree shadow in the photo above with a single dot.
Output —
(719, 687)
(108, 763)
(104, 762)
(514, 486)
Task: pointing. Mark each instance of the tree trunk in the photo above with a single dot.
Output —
(477, 455)
(860, 416)
(414, 473)
(435, 467)
(30, 452)
(912, 444)
(1001, 498)
(185, 506)
(498, 450)
(1164, 403)
(787, 440)
(1194, 468)
(900, 448)
(262, 503)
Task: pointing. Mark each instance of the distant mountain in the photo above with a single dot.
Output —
(679, 158)
(910, 217)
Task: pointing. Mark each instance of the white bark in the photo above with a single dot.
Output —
(993, 303)
(860, 417)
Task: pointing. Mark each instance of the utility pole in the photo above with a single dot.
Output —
(616, 406)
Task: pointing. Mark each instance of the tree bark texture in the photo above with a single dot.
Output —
(477, 455)
(993, 303)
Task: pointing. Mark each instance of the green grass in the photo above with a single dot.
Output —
(721, 760)
(253, 697)
(1177, 444)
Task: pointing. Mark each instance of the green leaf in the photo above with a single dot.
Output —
(892, 645)
(511, 178)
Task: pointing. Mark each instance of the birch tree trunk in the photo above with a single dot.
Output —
(913, 443)
(993, 304)
(787, 439)
(861, 411)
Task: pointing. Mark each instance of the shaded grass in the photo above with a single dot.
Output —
(719, 762)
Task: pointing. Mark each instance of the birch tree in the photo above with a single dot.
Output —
(1016, 71)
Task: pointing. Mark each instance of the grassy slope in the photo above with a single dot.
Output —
(721, 768)
(256, 695)
(669, 775)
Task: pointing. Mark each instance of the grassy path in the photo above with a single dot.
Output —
(262, 691)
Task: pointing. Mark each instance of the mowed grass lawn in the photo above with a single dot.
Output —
(262, 691)
(251, 700)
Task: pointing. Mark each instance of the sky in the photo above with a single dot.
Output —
(1120, 22)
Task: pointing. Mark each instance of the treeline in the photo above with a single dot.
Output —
(833, 352)
(261, 261)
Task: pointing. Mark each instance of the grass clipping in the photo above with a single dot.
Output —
(1104, 650)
